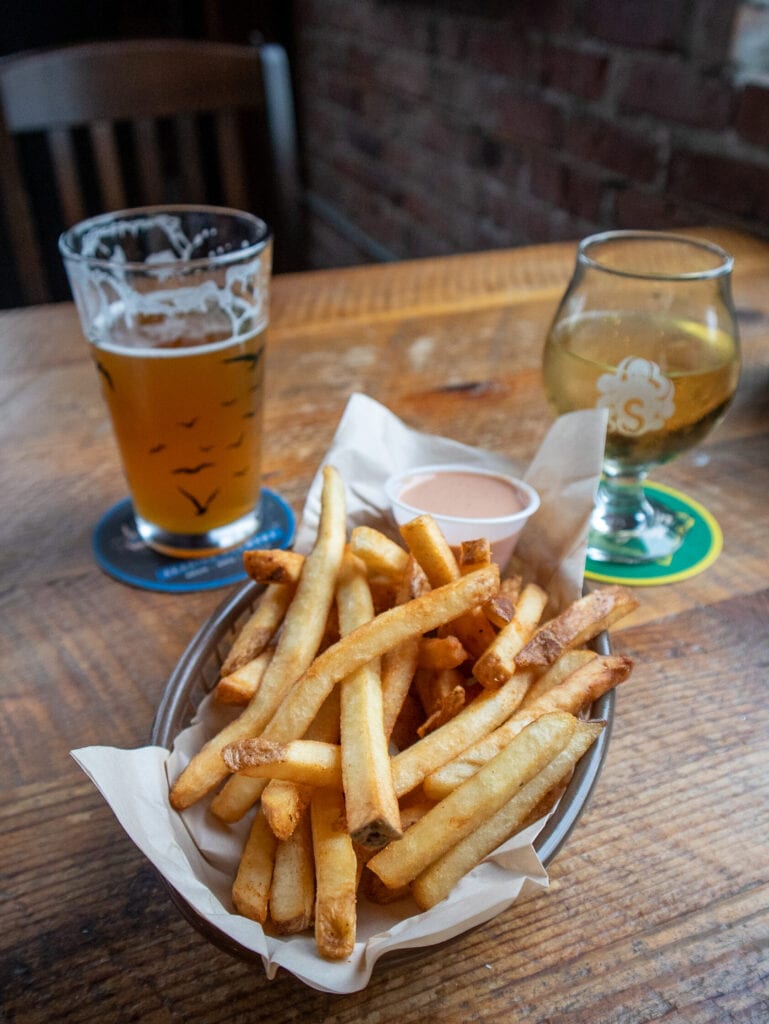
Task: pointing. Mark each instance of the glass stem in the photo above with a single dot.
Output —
(621, 504)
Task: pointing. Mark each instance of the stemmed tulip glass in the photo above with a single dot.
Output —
(646, 330)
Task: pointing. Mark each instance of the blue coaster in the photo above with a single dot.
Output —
(120, 551)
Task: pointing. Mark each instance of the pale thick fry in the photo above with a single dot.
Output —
(580, 622)
(576, 692)
(303, 628)
(292, 895)
(473, 803)
(259, 628)
(497, 663)
(336, 876)
(436, 881)
(441, 652)
(399, 664)
(477, 719)
(273, 565)
(429, 547)
(501, 608)
(240, 686)
(370, 884)
(381, 555)
(568, 662)
(251, 888)
(373, 816)
(307, 762)
(283, 802)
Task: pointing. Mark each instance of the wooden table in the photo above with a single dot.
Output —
(658, 908)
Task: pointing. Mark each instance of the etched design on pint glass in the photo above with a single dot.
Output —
(638, 395)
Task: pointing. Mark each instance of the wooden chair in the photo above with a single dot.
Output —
(102, 126)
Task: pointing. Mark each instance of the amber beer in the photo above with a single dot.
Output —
(186, 406)
(701, 362)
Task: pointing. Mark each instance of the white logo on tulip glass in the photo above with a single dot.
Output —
(638, 395)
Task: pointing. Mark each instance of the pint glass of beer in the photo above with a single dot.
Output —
(175, 303)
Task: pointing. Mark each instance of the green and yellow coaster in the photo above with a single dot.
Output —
(701, 546)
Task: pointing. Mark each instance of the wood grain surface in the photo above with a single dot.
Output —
(658, 907)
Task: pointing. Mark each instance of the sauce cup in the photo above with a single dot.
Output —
(466, 502)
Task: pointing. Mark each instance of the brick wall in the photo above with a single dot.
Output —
(441, 127)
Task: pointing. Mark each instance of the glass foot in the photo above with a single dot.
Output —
(653, 538)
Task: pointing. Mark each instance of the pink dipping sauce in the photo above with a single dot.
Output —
(468, 495)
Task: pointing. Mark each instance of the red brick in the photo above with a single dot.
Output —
(500, 46)
(547, 178)
(674, 91)
(632, 23)
(583, 194)
(580, 72)
(618, 149)
(733, 185)
(634, 208)
(752, 121)
(529, 118)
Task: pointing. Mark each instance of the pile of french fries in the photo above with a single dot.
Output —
(404, 712)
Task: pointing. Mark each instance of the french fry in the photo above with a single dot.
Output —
(576, 692)
(399, 663)
(449, 698)
(300, 636)
(273, 565)
(441, 652)
(239, 686)
(307, 762)
(382, 556)
(284, 803)
(580, 622)
(336, 876)
(562, 667)
(292, 894)
(251, 888)
(474, 802)
(413, 765)
(259, 629)
(501, 608)
(373, 816)
(439, 878)
(472, 554)
(497, 663)
(431, 550)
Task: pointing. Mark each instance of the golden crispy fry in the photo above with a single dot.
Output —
(476, 720)
(273, 565)
(381, 555)
(439, 878)
(251, 888)
(447, 702)
(240, 686)
(580, 622)
(568, 662)
(302, 631)
(501, 608)
(441, 652)
(576, 692)
(472, 554)
(370, 884)
(429, 547)
(259, 629)
(307, 762)
(411, 715)
(497, 663)
(473, 803)
(336, 876)
(373, 816)
(292, 895)
(283, 802)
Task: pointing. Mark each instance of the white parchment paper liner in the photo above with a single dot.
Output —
(198, 856)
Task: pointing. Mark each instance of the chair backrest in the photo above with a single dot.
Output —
(140, 122)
